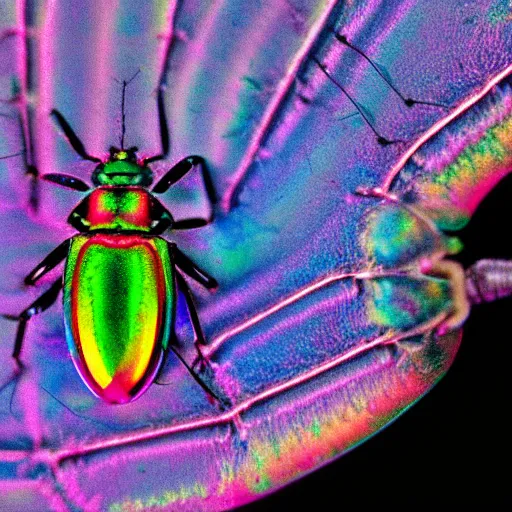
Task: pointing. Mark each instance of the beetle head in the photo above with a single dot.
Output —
(122, 169)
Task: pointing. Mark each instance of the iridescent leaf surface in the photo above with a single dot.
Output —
(322, 329)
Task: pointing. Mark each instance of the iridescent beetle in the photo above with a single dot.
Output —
(121, 279)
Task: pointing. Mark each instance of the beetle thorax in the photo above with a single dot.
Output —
(119, 209)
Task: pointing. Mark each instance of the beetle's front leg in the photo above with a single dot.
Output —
(182, 168)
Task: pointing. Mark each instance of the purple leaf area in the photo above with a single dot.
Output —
(338, 136)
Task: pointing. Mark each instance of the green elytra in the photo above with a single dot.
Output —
(119, 297)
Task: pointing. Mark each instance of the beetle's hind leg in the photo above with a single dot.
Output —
(204, 374)
(41, 304)
(223, 403)
(199, 339)
(223, 400)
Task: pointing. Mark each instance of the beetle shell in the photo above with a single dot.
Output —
(118, 302)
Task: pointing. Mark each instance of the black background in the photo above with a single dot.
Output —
(454, 447)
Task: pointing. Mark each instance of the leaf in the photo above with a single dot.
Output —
(301, 332)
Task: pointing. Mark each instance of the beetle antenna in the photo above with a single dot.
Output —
(409, 102)
(381, 140)
(125, 84)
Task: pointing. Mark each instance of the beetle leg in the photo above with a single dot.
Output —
(223, 404)
(182, 168)
(49, 263)
(64, 180)
(221, 400)
(193, 223)
(196, 324)
(164, 128)
(186, 265)
(38, 306)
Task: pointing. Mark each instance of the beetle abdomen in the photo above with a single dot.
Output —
(118, 303)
